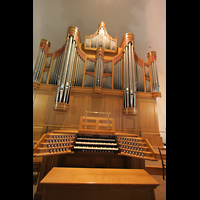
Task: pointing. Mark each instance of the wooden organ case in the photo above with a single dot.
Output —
(96, 77)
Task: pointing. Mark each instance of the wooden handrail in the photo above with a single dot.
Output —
(54, 125)
(76, 126)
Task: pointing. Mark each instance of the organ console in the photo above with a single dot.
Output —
(90, 140)
(95, 77)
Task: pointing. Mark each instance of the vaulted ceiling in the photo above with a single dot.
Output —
(145, 19)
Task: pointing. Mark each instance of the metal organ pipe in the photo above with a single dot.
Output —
(64, 68)
(134, 76)
(43, 51)
(76, 71)
(154, 73)
(129, 77)
(154, 76)
(61, 70)
(69, 74)
(101, 70)
(37, 65)
(157, 81)
(124, 81)
(58, 68)
(130, 74)
(120, 71)
(126, 76)
(98, 72)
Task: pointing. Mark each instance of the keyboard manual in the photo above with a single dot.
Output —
(96, 143)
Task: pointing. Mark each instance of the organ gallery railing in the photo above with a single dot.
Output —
(98, 64)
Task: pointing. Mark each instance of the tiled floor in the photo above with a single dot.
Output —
(160, 191)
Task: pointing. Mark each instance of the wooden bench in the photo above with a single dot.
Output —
(97, 184)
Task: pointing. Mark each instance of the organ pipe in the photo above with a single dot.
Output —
(43, 51)
(65, 68)
(134, 76)
(129, 76)
(124, 81)
(69, 74)
(100, 71)
(99, 67)
(153, 70)
(126, 76)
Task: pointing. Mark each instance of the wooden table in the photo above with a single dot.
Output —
(98, 183)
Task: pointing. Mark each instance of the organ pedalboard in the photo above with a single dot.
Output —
(96, 143)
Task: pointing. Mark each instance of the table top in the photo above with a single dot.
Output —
(66, 176)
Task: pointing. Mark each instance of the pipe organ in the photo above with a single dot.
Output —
(97, 64)
(95, 77)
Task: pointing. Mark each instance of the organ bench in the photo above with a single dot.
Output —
(98, 184)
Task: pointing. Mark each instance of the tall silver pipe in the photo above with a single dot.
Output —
(52, 76)
(97, 72)
(81, 72)
(58, 66)
(69, 74)
(130, 74)
(120, 74)
(76, 71)
(152, 75)
(124, 81)
(101, 71)
(126, 76)
(37, 64)
(95, 80)
(66, 63)
(61, 69)
(157, 81)
(40, 64)
(134, 77)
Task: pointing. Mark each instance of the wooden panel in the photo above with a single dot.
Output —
(116, 162)
(59, 117)
(40, 108)
(128, 122)
(154, 138)
(114, 106)
(98, 104)
(80, 102)
(78, 161)
(76, 109)
(148, 115)
(43, 101)
(38, 132)
(96, 125)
